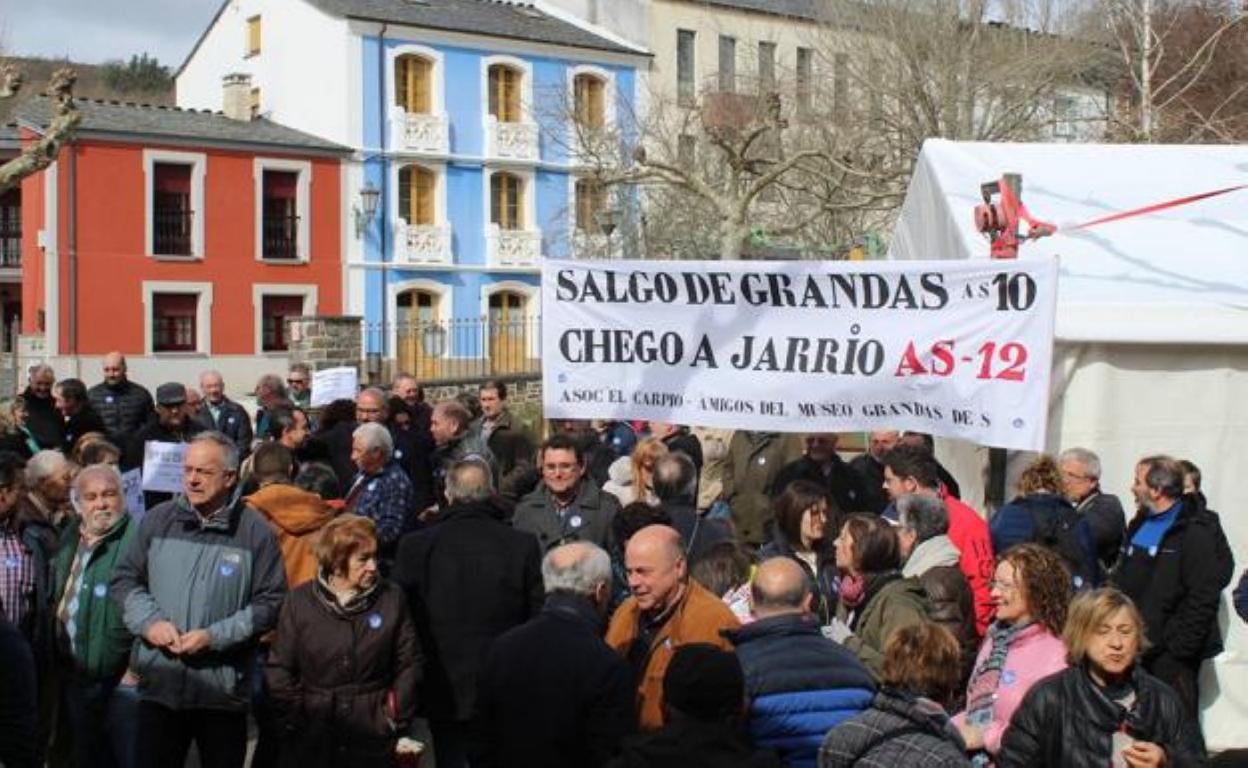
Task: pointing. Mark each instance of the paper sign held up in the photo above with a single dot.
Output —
(333, 384)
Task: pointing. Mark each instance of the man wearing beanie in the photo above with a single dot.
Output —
(703, 703)
(666, 611)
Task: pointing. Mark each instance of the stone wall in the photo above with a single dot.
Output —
(326, 341)
(523, 390)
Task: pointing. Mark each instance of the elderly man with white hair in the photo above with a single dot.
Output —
(99, 697)
(48, 476)
(552, 692)
(381, 490)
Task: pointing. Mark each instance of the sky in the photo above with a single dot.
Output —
(94, 31)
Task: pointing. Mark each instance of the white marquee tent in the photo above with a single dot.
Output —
(1151, 347)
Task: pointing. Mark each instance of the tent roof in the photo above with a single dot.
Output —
(1174, 276)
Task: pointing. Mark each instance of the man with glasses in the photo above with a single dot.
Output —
(299, 385)
(1081, 478)
(567, 506)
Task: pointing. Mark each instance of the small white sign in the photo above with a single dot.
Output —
(162, 466)
(132, 490)
(333, 384)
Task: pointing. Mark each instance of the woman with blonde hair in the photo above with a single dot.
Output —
(1040, 513)
(631, 478)
(1105, 710)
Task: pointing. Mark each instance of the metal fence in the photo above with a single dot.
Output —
(463, 348)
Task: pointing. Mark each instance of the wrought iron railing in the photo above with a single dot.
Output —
(462, 348)
(171, 231)
(281, 236)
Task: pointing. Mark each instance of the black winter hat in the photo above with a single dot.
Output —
(704, 682)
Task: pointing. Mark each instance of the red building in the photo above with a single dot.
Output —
(169, 233)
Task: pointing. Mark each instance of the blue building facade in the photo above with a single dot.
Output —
(476, 164)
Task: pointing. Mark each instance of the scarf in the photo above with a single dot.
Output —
(853, 590)
(349, 605)
(981, 692)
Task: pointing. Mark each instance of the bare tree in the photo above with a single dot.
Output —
(41, 153)
(1184, 63)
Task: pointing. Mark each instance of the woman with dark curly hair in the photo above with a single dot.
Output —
(1041, 513)
(1031, 590)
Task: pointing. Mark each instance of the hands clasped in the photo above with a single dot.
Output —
(163, 634)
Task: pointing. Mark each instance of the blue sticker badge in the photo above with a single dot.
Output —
(372, 486)
(10, 562)
(576, 521)
(227, 569)
(374, 621)
(398, 454)
(101, 590)
(1008, 677)
(108, 399)
(230, 420)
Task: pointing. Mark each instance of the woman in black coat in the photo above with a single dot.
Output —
(1104, 710)
(343, 670)
(804, 530)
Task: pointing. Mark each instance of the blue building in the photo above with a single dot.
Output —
(465, 117)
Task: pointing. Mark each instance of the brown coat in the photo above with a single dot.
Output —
(297, 517)
(699, 618)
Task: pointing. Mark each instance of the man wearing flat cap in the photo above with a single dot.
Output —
(172, 425)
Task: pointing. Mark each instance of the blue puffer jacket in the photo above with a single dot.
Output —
(800, 685)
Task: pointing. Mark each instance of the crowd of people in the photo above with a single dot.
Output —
(342, 586)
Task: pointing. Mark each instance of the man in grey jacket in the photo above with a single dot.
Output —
(198, 584)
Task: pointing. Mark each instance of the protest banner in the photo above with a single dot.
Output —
(132, 490)
(960, 349)
(331, 384)
(162, 466)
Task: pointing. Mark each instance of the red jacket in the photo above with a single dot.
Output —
(969, 533)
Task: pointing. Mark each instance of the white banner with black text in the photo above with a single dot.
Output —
(955, 348)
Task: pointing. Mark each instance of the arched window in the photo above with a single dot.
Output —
(413, 84)
(420, 337)
(589, 97)
(506, 201)
(416, 193)
(504, 86)
(508, 332)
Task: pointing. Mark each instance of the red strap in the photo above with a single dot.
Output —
(1158, 207)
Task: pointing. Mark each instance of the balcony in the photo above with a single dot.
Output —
(422, 244)
(171, 231)
(428, 134)
(592, 245)
(10, 250)
(511, 141)
(281, 241)
(513, 247)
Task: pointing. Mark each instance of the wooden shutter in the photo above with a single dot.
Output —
(253, 35)
(505, 204)
(422, 197)
(505, 94)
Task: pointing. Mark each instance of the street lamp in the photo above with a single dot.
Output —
(608, 220)
(369, 197)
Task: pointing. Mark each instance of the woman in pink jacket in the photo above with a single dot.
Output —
(1031, 590)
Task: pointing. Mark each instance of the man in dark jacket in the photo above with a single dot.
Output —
(1174, 565)
(93, 643)
(929, 556)
(1081, 476)
(704, 697)
(70, 398)
(220, 413)
(18, 699)
(799, 683)
(870, 468)
(567, 506)
(199, 584)
(123, 405)
(172, 425)
(511, 447)
(822, 466)
(42, 419)
(675, 483)
(552, 693)
(469, 578)
(678, 439)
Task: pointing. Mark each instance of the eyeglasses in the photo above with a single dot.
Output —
(296, 381)
(1076, 476)
(554, 468)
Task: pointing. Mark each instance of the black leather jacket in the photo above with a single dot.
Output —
(1067, 720)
